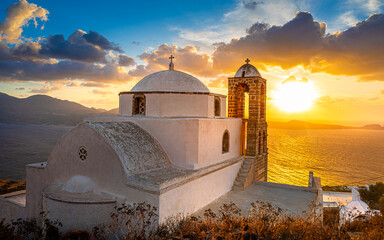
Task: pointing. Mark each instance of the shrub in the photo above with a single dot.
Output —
(138, 221)
(77, 235)
(372, 195)
(5, 230)
(134, 221)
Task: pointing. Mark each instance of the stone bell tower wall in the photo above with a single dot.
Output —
(252, 109)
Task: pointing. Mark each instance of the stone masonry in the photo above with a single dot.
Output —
(254, 141)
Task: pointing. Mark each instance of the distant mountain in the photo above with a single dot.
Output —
(373, 127)
(295, 124)
(114, 111)
(43, 109)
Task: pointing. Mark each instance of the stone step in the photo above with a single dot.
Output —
(238, 184)
(241, 179)
(247, 165)
(236, 188)
(242, 174)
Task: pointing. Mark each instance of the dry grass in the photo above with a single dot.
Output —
(138, 221)
(7, 186)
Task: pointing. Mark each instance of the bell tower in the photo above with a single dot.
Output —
(247, 100)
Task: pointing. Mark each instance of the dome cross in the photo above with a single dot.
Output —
(171, 65)
(247, 61)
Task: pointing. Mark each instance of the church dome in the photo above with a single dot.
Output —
(170, 81)
(247, 70)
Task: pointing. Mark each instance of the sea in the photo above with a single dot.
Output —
(337, 156)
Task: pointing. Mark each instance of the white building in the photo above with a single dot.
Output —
(171, 146)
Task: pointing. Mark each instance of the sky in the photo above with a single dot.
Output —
(328, 55)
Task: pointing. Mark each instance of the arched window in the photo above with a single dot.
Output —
(138, 105)
(217, 107)
(262, 101)
(242, 93)
(243, 74)
(225, 145)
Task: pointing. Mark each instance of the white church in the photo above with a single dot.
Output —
(172, 145)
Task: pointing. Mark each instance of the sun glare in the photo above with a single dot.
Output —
(294, 96)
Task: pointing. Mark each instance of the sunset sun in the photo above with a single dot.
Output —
(294, 96)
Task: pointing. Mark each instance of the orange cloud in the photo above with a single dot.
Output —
(294, 79)
(356, 51)
(48, 87)
(186, 59)
(18, 15)
(327, 100)
(219, 82)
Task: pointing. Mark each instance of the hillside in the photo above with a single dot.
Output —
(43, 109)
(295, 124)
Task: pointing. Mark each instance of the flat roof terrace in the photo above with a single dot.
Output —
(17, 197)
(293, 199)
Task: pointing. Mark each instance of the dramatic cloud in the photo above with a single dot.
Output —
(125, 60)
(220, 82)
(141, 71)
(234, 23)
(302, 41)
(27, 51)
(257, 27)
(72, 84)
(62, 70)
(75, 48)
(94, 84)
(99, 40)
(251, 4)
(48, 87)
(57, 58)
(355, 51)
(289, 45)
(22, 52)
(186, 59)
(18, 15)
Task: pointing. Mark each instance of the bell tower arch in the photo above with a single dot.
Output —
(247, 100)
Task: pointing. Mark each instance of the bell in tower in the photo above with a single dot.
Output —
(247, 100)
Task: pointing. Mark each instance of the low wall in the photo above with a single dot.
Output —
(198, 193)
(87, 215)
(10, 210)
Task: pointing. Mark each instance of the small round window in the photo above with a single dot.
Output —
(82, 153)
